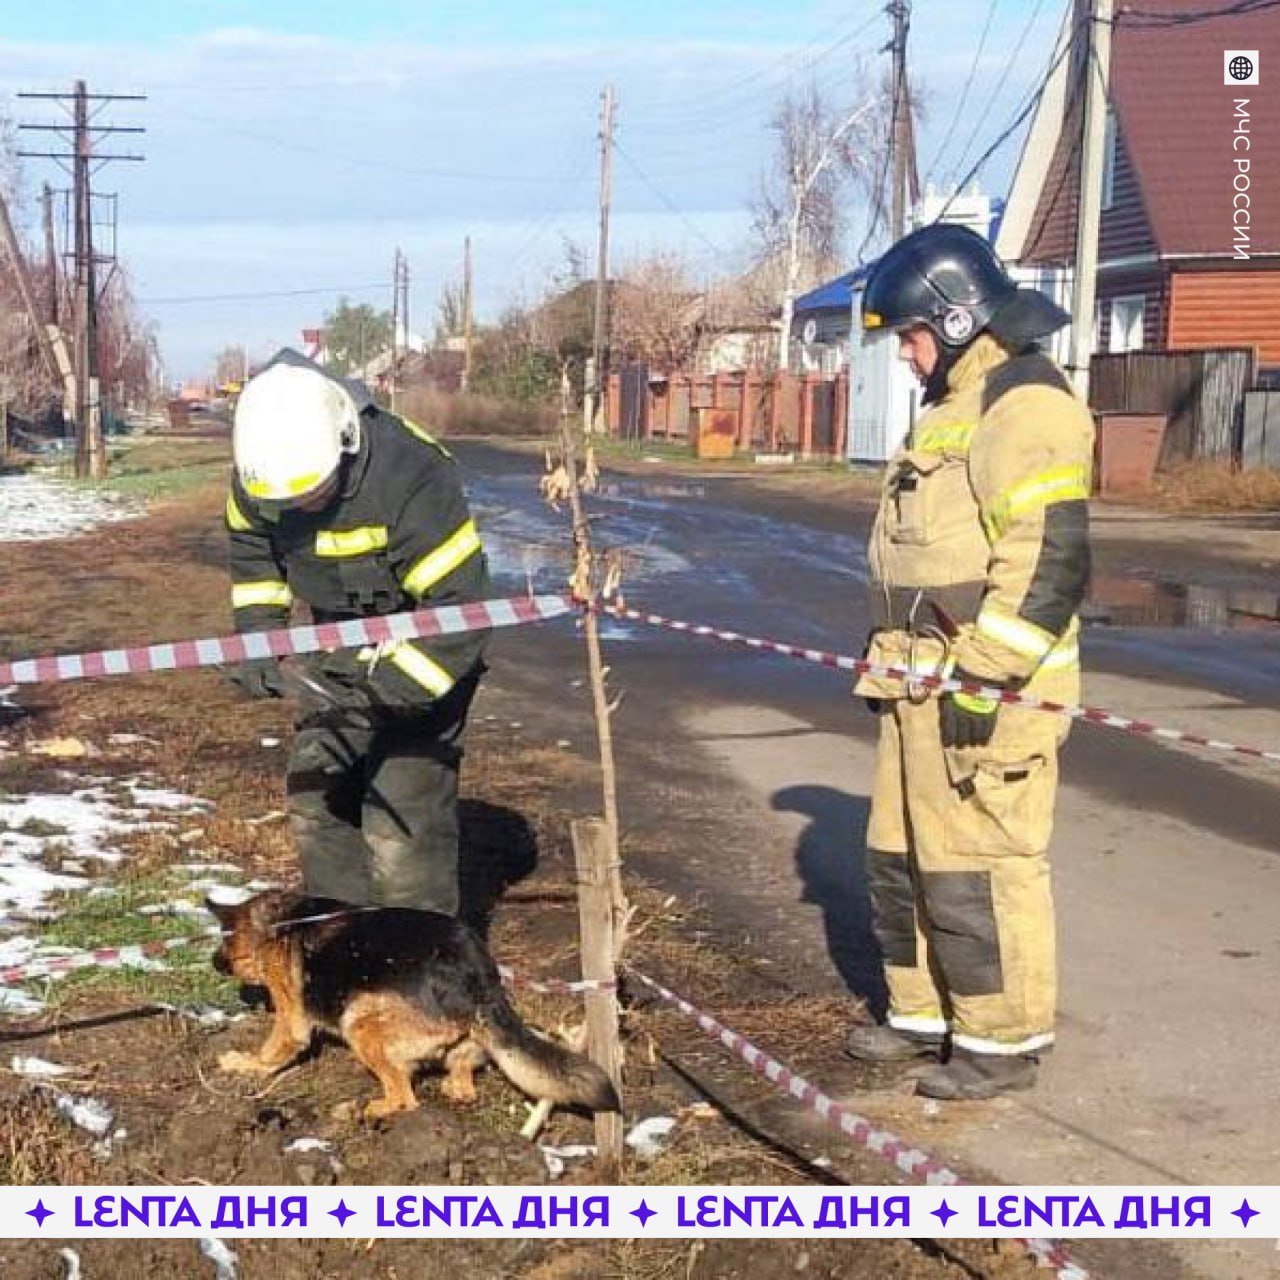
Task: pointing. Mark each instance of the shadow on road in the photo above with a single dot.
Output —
(498, 849)
(830, 857)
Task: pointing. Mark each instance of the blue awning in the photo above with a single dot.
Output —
(835, 295)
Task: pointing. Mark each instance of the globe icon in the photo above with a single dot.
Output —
(1241, 68)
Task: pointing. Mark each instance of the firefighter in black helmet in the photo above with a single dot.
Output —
(979, 562)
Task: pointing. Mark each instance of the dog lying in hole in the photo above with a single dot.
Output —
(401, 988)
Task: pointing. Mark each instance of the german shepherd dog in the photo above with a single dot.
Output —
(400, 987)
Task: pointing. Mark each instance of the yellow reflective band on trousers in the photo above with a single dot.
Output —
(335, 543)
(420, 669)
(1022, 637)
(437, 565)
(946, 437)
(270, 591)
(1058, 484)
(237, 521)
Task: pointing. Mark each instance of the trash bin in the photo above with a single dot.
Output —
(715, 432)
(1128, 450)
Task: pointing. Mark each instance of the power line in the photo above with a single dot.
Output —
(1155, 18)
(262, 294)
(1032, 103)
(964, 93)
(1001, 81)
(721, 95)
(718, 250)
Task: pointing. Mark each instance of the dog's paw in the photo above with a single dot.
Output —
(245, 1064)
(381, 1108)
(460, 1094)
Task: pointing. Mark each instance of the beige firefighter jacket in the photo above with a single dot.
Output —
(983, 521)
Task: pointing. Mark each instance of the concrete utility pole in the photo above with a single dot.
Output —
(399, 275)
(85, 160)
(466, 315)
(906, 175)
(597, 381)
(1094, 36)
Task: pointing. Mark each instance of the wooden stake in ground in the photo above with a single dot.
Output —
(602, 906)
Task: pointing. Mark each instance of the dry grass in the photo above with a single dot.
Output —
(1215, 486)
(450, 414)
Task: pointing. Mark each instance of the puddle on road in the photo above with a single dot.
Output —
(1154, 602)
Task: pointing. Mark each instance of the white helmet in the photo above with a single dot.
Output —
(293, 424)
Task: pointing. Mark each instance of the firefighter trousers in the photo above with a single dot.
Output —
(958, 870)
(374, 806)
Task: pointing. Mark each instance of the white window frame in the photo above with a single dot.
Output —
(1109, 162)
(1115, 342)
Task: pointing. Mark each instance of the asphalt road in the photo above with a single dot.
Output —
(750, 774)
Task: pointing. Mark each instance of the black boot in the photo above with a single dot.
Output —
(875, 1042)
(973, 1077)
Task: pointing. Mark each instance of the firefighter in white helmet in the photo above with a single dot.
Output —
(355, 512)
(979, 561)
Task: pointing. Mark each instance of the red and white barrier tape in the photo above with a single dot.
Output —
(219, 650)
(912, 1161)
(100, 958)
(859, 666)
(136, 953)
(553, 986)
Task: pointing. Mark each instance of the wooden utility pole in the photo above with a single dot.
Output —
(906, 176)
(1094, 37)
(466, 315)
(395, 328)
(84, 158)
(53, 277)
(22, 275)
(597, 381)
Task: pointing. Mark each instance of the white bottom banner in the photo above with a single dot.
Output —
(761, 1213)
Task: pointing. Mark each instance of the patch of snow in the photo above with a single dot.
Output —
(261, 886)
(205, 868)
(178, 907)
(224, 1261)
(270, 743)
(72, 1259)
(131, 740)
(649, 1138)
(19, 1003)
(36, 507)
(38, 1068)
(555, 1157)
(205, 1015)
(228, 895)
(308, 1144)
(87, 1113)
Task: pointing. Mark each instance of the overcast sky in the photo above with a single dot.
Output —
(292, 146)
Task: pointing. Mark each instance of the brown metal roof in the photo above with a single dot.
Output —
(1178, 118)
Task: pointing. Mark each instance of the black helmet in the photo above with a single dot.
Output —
(944, 276)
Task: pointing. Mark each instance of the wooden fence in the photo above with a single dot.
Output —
(804, 414)
(1201, 393)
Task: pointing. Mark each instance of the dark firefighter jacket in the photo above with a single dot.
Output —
(399, 536)
(985, 512)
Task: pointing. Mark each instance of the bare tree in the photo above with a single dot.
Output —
(799, 218)
(231, 364)
(449, 313)
(657, 312)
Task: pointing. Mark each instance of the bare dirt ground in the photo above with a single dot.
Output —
(161, 577)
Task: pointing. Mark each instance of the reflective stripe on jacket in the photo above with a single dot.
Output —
(398, 534)
(984, 513)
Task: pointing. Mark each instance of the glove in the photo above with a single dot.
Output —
(967, 719)
(345, 679)
(259, 678)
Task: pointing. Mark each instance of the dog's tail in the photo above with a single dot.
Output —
(540, 1067)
